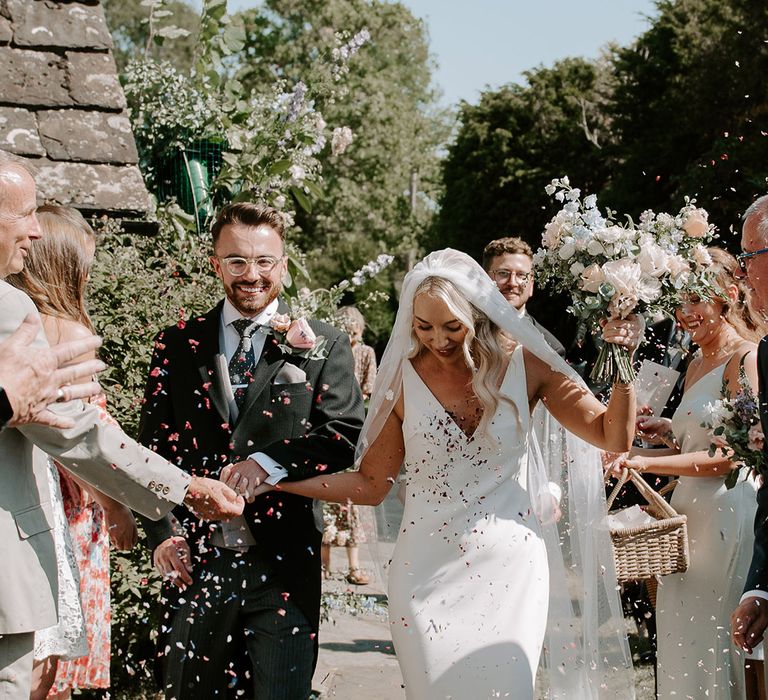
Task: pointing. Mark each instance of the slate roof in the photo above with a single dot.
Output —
(62, 107)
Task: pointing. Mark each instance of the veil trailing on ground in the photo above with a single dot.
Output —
(586, 655)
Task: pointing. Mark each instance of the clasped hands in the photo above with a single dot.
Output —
(246, 478)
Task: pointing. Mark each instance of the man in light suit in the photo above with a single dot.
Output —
(750, 619)
(32, 380)
(101, 455)
(253, 585)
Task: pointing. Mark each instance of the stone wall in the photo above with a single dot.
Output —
(62, 107)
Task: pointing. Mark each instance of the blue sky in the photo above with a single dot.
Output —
(479, 43)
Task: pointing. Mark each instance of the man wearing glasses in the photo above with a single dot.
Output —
(750, 619)
(509, 261)
(241, 601)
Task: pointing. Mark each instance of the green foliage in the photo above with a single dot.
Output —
(510, 146)
(129, 24)
(680, 112)
(367, 205)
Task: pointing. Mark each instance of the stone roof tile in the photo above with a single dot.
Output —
(47, 23)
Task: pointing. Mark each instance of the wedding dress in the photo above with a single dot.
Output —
(469, 581)
(696, 658)
(484, 580)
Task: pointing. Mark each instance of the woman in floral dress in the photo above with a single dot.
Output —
(55, 276)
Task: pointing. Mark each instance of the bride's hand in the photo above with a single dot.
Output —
(627, 332)
(612, 463)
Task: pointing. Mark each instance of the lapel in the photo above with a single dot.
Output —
(270, 362)
(208, 364)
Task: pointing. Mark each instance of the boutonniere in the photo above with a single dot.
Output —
(296, 337)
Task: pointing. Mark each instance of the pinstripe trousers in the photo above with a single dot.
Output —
(234, 633)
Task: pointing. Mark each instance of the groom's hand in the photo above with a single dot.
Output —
(173, 560)
(246, 478)
(748, 622)
(210, 499)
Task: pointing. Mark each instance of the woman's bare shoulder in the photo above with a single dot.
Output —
(62, 330)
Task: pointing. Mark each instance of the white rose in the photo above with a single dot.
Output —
(611, 234)
(592, 278)
(624, 276)
(701, 256)
(567, 249)
(696, 225)
(653, 260)
(594, 247)
(576, 269)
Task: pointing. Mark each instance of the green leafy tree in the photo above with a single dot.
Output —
(171, 36)
(689, 110)
(379, 193)
(511, 144)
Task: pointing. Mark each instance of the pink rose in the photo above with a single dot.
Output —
(696, 225)
(756, 438)
(592, 278)
(300, 335)
(280, 322)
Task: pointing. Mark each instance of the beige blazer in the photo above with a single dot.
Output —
(98, 453)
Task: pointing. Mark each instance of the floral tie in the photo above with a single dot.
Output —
(243, 361)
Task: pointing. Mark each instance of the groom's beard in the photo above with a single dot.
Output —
(250, 303)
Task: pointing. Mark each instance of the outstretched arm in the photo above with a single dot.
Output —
(372, 482)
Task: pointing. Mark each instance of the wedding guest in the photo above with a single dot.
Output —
(469, 581)
(74, 653)
(509, 262)
(342, 524)
(100, 454)
(750, 618)
(694, 656)
(229, 386)
(31, 381)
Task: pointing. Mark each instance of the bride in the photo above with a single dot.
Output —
(477, 570)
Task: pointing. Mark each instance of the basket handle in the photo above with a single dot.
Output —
(645, 491)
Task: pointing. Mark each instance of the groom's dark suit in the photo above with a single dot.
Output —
(309, 427)
(757, 578)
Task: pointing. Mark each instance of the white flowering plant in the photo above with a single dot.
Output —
(323, 303)
(737, 432)
(612, 270)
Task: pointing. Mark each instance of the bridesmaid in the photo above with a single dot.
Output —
(695, 656)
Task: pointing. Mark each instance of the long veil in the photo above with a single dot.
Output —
(586, 654)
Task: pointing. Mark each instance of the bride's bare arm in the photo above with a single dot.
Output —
(611, 428)
(371, 483)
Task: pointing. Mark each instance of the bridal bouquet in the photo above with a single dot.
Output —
(738, 433)
(612, 270)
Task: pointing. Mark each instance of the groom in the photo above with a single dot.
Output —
(221, 390)
(750, 619)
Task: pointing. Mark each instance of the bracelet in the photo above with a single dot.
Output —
(625, 387)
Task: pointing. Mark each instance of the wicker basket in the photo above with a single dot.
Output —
(656, 549)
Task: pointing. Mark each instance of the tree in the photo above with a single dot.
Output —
(128, 22)
(689, 110)
(368, 205)
(510, 145)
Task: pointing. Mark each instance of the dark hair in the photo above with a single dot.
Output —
(248, 214)
(502, 246)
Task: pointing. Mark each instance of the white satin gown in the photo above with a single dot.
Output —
(469, 579)
(696, 658)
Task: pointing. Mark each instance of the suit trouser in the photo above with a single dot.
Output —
(16, 665)
(235, 602)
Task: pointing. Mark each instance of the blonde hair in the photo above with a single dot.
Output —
(483, 345)
(351, 314)
(56, 270)
(738, 314)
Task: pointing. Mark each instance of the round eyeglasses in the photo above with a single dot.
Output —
(502, 276)
(237, 266)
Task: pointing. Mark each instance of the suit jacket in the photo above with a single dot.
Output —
(309, 428)
(98, 453)
(757, 579)
(552, 341)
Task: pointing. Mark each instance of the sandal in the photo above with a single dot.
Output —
(357, 577)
